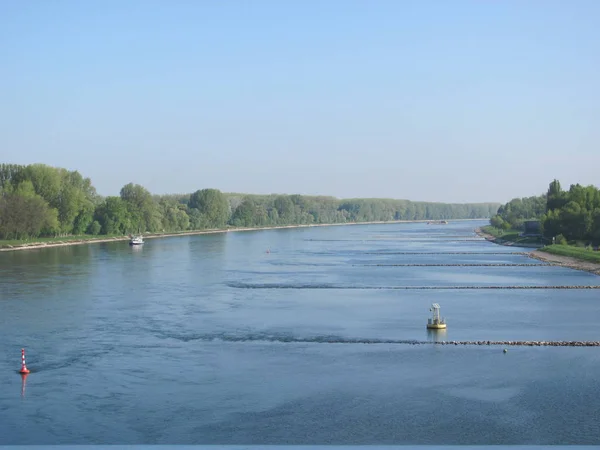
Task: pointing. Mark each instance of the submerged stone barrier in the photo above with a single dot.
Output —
(412, 239)
(460, 265)
(243, 285)
(350, 341)
(447, 253)
(500, 287)
(523, 343)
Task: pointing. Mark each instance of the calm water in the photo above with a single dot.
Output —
(211, 340)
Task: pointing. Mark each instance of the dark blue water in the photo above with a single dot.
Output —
(212, 340)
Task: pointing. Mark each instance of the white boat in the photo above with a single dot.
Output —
(136, 240)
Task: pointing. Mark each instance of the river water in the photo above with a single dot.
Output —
(213, 340)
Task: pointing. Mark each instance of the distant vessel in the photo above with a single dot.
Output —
(136, 240)
(436, 322)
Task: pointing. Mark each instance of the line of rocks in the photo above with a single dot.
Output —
(457, 265)
(525, 343)
(494, 287)
(412, 239)
(447, 253)
(429, 236)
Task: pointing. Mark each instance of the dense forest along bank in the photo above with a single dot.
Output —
(39, 202)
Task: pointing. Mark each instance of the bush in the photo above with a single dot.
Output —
(94, 228)
(560, 240)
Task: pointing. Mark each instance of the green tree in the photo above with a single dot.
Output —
(47, 182)
(245, 214)
(174, 215)
(24, 214)
(94, 228)
(75, 203)
(113, 216)
(10, 175)
(143, 210)
(286, 209)
(72, 206)
(556, 198)
(572, 214)
(213, 205)
(497, 221)
(84, 219)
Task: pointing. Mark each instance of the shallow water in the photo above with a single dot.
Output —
(185, 341)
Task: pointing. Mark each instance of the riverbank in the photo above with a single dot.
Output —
(511, 239)
(100, 239)
(567, 261)
(540, 255)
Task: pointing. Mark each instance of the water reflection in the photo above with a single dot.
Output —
(51, 256)
(43, 272)
(23, 383)
(436, 335)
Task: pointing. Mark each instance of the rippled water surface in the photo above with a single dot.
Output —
(212, 340)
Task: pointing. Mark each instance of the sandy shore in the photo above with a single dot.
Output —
(38, 245)
(566, 261)
(558, 260)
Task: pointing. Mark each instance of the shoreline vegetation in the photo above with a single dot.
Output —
(80, 240)
(40, 203)
(560, 255)
(564, 226)
(508, 237)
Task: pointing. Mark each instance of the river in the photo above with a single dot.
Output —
(213, 339)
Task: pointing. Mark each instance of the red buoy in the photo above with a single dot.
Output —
(24, 368)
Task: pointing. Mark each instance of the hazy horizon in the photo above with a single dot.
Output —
(453, 102)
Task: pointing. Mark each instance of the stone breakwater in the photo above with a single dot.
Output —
(524, 343)
(289, 339)
(447, 253)
(459, 265)
(244, 285)
(495, 287)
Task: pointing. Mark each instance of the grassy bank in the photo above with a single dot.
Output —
(510, 237)
(86, 238)
(54, 240)
(573, 252)
(570, 256)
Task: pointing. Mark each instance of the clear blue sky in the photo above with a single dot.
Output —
(443, 100)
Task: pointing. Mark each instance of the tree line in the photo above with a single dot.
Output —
(572, 215)
(39, 200)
